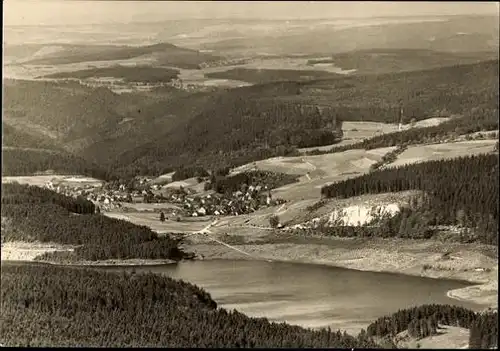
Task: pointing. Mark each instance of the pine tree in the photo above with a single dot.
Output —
(162, 216)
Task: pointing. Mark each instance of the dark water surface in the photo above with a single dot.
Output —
(305, 294)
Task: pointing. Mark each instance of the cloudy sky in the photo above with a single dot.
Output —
(57, 12)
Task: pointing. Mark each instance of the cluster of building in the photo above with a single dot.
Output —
(221, 205)
(211, 204)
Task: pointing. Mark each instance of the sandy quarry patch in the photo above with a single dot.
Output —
(24, 251)
(421, 153)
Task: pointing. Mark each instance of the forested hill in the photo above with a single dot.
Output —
(17, 137)
(35, 214)
(256, 122)
(130, 134)
(462, 192)
(164, 53)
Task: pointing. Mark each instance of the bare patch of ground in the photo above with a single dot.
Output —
(448, 337)
(186, 183)
(24, 251)
(152, 220)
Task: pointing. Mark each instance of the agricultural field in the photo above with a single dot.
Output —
(422, 153)
(355, 132)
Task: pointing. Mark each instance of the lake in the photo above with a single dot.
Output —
(308, 295)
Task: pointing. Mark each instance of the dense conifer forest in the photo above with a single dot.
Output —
(235, 131)
(22, 162)
(462, 191)
(76, 306)
(484, 331)
(15, 137)
(35, 214)
(143, 74)
(15, 194)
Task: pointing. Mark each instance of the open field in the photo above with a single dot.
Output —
(152, 220)
(355, 132)
(448, 338)
(316, 171)
(40, 180)
(163, 179)
(421, 153)
(141, 206)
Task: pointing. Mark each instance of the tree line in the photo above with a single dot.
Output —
(15, 194)
(23, 162)
(78, 306)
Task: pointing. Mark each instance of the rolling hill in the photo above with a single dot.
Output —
(448, 34)
(57, 54)
(243, 125)
(153, 132)
(377, 61)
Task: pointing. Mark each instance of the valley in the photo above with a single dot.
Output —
(357, 156)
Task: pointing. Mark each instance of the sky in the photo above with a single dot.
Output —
(70, 12)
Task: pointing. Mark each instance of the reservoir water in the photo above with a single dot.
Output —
(308, 295)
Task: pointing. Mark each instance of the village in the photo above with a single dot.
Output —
(188, 203)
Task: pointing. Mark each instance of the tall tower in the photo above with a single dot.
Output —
(400, 125)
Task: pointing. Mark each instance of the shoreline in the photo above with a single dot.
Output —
(483, 290)
(405, 257)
